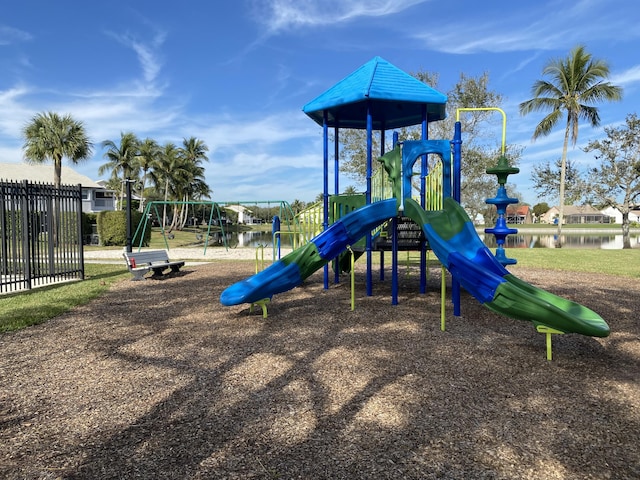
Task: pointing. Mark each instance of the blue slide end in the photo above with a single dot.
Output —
(278, 278)
(291, 270)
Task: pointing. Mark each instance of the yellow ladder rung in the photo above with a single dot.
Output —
(548, 331)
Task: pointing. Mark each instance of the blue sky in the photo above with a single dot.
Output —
(236, 74)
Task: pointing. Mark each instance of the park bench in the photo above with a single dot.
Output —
(140, 263)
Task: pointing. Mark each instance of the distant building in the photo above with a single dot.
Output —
(550, 215)
(575, 214)
(95, 197)
(519, 214)
(244, 214)
(616, 217)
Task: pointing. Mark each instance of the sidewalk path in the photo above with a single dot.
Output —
(193, 256)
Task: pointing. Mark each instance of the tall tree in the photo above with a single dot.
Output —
(148, 157)
(546, 181)
(122, 160)
(616, 181)
(167, 175)
(297, 206)
(195, 150)
(50, 136)
(191, 184)
(480, 141)
(575, 84)
(540, 209)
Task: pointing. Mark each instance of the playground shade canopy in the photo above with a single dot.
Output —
(395, 99)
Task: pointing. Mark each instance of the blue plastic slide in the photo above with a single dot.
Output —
(455, 242)
(291, 270)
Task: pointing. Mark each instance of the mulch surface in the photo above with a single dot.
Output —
(157, 380)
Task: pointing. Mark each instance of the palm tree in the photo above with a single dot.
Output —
(576, 82)
(148, 156)
(49, 136)
(164, 174)
(194, 150)
(192, 184)
(122, 160)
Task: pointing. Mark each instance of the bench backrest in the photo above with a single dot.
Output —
(149, 257)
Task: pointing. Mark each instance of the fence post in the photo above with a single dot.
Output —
(24, 229)
(80, 238)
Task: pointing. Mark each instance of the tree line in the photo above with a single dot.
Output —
(569, 92)
(156, 172)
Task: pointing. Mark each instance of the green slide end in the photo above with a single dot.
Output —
(518, 299)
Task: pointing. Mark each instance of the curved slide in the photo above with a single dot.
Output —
(455, 242)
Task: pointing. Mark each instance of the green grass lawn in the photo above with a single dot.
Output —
(625, 263)
(37, 306)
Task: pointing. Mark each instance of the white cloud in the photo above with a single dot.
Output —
(14, 114)
(10, 35)
(626, 77)
(147, 52)
(543, 27)
(280, 15)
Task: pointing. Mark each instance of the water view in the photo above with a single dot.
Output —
(607, 241)
(525, 240)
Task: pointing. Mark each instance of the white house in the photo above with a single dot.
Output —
(616, 216)
(95, 197)
(244, 214)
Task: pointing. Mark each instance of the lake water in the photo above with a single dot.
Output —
(520, 240)
(606, 241)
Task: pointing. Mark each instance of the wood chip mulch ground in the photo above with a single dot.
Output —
(157, 380)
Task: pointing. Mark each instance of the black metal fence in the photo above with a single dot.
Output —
(41, 235)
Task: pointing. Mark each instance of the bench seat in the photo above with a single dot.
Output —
(140, 263)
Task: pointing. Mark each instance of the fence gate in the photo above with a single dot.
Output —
(41, 235)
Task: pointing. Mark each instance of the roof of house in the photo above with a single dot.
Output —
(394, 98)
(518, 209)
(17, 172)
(237, 209)
(581, 210)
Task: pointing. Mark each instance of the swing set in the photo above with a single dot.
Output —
(215, 220)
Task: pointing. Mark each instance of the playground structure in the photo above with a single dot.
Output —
(365, 100)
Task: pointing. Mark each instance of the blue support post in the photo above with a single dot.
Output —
(457, 161)
(325, 186)
(423, 187)
(394, 261)
(336, 170)
(368, 198)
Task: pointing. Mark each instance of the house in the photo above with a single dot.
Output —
(584, 214)
(518, 214)
(244, 214)
(575, 214)
(550, 215)
(95, 197)
(616, 217)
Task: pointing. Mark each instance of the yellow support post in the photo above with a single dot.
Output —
(548, 331)
(495, 109)
(262, 304)
(443, 299)
(353, 278)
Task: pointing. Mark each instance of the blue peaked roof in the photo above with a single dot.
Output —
(395, 98)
